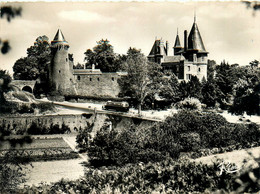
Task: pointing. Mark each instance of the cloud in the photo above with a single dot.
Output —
(85, 16)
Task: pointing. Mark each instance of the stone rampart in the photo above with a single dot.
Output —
(18, 124)
(97, 84)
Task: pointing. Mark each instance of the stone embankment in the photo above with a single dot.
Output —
(18, 124)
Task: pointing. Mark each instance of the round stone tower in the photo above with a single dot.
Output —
(61, 81)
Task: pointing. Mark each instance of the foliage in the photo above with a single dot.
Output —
(210, 92)
(143, 78)
(5, 79)
(110, 147)
(36, 129)
(103, 57)
(190, 104)
(246, 92)
(11, 173)
(78, 66)
(170, 88)
(163, 177)
(186, 131)
(192, 88)
(35, 65)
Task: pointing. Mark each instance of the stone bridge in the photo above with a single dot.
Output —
(25, 85)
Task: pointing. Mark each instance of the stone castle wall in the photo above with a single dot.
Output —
(97, 84)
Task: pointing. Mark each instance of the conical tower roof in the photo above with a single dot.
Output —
(158, 48)
(194, 40)
(177, 42)
(59, 38)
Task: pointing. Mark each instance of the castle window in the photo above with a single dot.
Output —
(188, 68)
(78, 77)
(66, 59)
(188, 76)
(199, 69)
(90, 79)
(98, 78)
(113, 79)
(59, 71)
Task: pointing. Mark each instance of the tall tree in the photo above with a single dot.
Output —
(246, 92)
(103, 57)
(192, 88)
(35, 64)
(143, 78)
(170, 88)
(210, 92)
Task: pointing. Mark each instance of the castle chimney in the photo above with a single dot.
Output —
(185, 40)
(167, 47)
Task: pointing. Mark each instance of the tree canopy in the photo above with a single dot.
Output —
(103, 57)
(143, 77)
(35, 64)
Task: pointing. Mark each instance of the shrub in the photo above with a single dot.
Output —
(190, 104)
(36, 129)
(110, 147)
(164, 177)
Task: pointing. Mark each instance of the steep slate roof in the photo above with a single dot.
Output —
(176, 58)
(157, 49)
(177, 42)
(194, 40)
(59, 38)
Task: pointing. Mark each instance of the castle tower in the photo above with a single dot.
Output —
(196, 54)
(177, 45)
(60, 71)
(158, 52)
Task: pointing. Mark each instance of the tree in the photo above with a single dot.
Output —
(192, 88)
(143, 78)
(210, 92)
(254, 63)
(35, 64)
(103, 57)
(5, 79)
(246, 92)
(78, 66)
(170, 88)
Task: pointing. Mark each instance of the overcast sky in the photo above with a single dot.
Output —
(229, 30)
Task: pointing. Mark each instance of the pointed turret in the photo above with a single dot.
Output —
(177, 45)
(61, 80)
(194, 40)
(157, 52)
(59, 39)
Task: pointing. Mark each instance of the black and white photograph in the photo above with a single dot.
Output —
(133, 97)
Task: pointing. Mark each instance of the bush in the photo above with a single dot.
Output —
(36, 129)
(164, 177)
(190, 104)
(110, 147)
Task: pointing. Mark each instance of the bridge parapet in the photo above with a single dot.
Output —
(26, 85)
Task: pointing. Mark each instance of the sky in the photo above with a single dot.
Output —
(229, 30)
